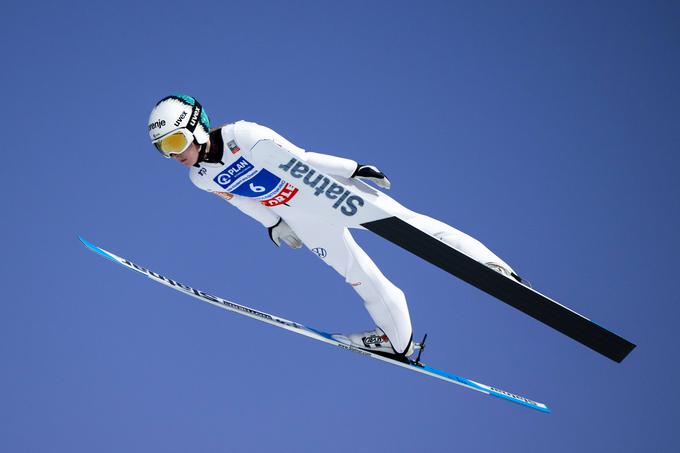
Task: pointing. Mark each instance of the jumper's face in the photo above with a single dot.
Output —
(189, 156)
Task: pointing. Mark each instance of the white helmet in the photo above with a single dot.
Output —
(175, 122)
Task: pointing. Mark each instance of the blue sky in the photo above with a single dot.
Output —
(547, 130)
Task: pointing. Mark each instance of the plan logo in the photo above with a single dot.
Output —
(233, 173)
(347, 202)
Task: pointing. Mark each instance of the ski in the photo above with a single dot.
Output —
(508, 290)
(354, 204)
(313, 333)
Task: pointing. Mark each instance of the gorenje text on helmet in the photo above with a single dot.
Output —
(157, 124)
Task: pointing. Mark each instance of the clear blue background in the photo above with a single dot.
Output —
(549, 130)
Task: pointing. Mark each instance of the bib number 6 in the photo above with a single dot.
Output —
(256, 189)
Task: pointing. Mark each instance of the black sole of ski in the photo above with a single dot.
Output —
(513, 293)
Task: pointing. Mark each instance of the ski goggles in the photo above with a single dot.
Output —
(174, 143)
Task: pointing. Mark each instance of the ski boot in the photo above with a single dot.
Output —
(377, 342)
(507, 272)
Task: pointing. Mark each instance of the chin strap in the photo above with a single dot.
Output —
(201, 154)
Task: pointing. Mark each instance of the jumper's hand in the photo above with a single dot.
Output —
(371, 173)
(282, 232)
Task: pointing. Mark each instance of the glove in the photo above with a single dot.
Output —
(281, 231)
(371, 173)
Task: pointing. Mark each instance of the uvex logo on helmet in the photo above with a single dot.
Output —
(157, 124)
(194, 118)
(181, 117)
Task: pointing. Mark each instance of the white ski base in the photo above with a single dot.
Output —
(313, 333)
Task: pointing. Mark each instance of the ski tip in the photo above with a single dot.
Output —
(96, 249)
(88, 244)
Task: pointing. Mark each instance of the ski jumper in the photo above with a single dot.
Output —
(260, 194)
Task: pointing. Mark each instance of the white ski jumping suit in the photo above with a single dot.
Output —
(266, 198)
